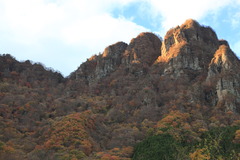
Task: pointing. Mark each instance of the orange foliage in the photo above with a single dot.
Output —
(2, 94)
(236, 123)
(116, 154)
(71, 132)
(38, 147)
(132, 103)
(175, 123)
(173, 119)
(110, 157)
(237, 137)
(87, 146)
(127, 150)
(200, 154)
(8, 148)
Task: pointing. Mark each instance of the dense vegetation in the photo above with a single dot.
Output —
(217, 143)
(133, 101)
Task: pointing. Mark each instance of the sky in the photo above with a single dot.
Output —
(62, 34)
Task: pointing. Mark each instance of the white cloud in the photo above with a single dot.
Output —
(29, 20)
(99, 27)
(175, 12)
(28, 28)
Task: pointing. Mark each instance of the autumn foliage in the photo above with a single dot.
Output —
(177, 97)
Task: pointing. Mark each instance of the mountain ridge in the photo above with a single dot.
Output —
(189, 81)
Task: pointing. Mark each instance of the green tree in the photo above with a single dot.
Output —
(159, 147)
(218, 142)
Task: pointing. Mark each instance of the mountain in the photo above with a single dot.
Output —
(184, 85)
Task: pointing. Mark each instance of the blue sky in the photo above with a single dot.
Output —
(62, 34)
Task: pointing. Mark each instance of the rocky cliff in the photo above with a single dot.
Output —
(190, 52)
(142, 51)
(189, 46)
(223, 70)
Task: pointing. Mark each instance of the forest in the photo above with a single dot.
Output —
(156, 99)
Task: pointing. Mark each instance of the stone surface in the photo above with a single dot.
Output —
(189, 46)
(99, 66)
(144, 49)
(110, 59)
(223, 69)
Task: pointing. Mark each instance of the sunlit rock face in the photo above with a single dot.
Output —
(223, 70)
(99, 66)
(110, 59)
(189, 46)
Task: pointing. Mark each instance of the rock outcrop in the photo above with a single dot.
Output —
(189, 52)
(143, 49)
(223, 70)
(141, 52)
(99, 66)
(110, 59)
(189, 46)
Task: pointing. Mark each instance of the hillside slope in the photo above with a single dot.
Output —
(189, 82)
